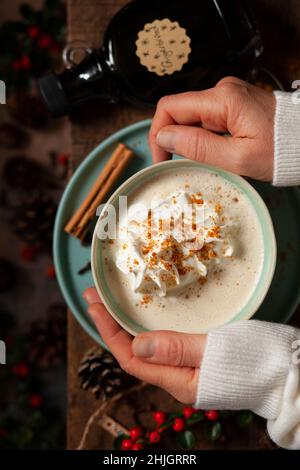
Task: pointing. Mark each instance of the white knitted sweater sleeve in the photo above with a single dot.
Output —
(287, 139)
(255, 365)
(251, 364)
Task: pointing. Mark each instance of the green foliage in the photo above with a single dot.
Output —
(195, 418)
(186, 439)
(118, 441)
(244, 418)
(22, 426)
(30, 47)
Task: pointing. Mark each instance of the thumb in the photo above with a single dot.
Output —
(170, 348)
(201, 145)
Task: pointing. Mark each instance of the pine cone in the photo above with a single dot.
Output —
(48, 338)
(101, 372)
(33, 220)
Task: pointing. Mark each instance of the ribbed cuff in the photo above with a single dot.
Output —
(245, 366)
(286, 140)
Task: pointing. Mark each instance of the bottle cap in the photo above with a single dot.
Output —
(53, 94)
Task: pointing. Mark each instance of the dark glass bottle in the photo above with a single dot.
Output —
(156, 47)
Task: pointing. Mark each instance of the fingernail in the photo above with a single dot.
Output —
(166, 139)
(143, 347)
(87, 297)
(91, 313)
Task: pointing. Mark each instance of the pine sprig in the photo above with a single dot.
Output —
(29, 47)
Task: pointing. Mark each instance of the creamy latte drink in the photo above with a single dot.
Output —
(188, 253)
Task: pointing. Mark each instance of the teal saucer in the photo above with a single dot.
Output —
(70, 256)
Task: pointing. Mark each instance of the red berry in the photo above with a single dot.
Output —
(33, 31)
(135, 433)
(28, 252)
(212, 415)
(63, 159)
(36, 400)
(16, 65)
(50, 271)
(178, 424)
(25, 62)
(126, 444)
(154, 437)
(137, 446)
(188, 411)
(21, 370)
(159, 417)
(44, 41)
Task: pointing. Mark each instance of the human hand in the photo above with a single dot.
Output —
(189, 124)
(167, 359)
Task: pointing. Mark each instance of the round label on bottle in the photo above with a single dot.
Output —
(163, 47)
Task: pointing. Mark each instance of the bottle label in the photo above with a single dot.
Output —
(163, 47)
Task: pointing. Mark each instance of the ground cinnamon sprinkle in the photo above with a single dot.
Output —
(146, 299)
(207, 252)
(214, 232)
(149, 223)
(218, 208)
(196, 198)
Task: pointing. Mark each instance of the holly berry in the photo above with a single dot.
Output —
(63, 159)
(135, 433)
(25, 62)
(137, 446)
(154, 437)
(28, 252)
(159, 417)
(33, 31)
(178, 425)
(21, 370)
(126, 444)
(212, 415)
(50, 272)
(188, 411)
(36, 400)
(44, 41)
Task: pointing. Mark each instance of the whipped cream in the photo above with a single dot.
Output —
(173, 244)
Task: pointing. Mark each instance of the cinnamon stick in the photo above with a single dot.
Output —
(79, 222)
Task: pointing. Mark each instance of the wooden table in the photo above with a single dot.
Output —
(87, 20)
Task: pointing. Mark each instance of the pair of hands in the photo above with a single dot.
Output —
(190, 124)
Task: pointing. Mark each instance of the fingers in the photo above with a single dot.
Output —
(201, 145)
(180, 382)
(170, 348)
(205, 108)
(91, 296)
